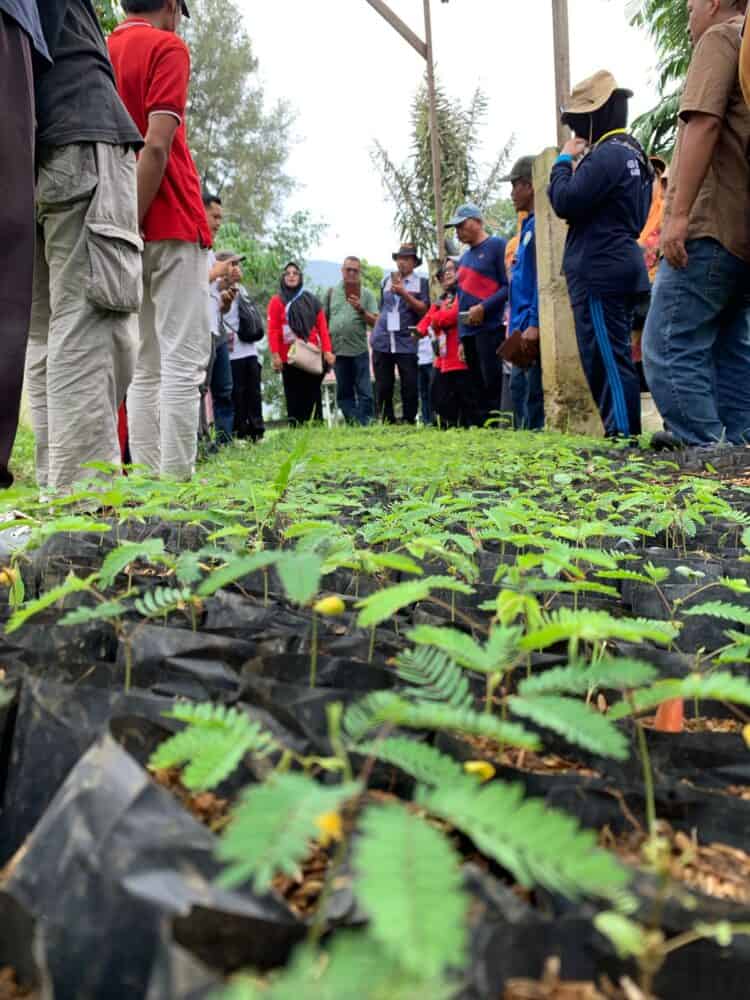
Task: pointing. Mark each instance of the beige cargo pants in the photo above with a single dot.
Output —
(87, 289)
(173, 354)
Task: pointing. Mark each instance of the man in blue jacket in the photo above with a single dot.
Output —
(526, 382)
(605, 199)
(482, 294)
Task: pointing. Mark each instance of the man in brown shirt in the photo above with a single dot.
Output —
(696, 345)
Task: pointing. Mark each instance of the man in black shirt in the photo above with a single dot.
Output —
(87, 273)
(21, 41)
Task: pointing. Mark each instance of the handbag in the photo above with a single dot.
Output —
(250, 328)
(519, 352)
(306, 357)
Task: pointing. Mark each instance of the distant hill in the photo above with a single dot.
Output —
(323, 273)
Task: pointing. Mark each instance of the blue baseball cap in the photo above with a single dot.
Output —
(467, 211)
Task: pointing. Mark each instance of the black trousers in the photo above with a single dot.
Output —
(480, 351)
(454, 399)
(384, 365)
(603, 329)
(302, 392)
(247, 397)
(17, 224)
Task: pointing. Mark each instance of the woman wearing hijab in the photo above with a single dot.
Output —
(605, 199)
(295, 314)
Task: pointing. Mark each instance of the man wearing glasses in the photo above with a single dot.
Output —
(350, 311)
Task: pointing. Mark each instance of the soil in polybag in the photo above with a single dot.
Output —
(113, 856)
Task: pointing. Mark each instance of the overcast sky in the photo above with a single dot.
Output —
(351, 79)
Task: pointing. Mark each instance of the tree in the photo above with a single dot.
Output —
(239, 146)
(108, 12)
(502, 218)
(410, 186)
(667, 23)
(372, 277)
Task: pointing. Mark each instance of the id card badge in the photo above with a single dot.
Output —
(394, 321)
(443, 342)
(289, 337)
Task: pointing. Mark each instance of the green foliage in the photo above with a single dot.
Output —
(618, 675)
(576, 722)
(355, 965)
(116, 562)
(300, 575)
(72, 585)
(108, 13)
(160, 601)
(386, 707)
(409, 880)
(719, 609)
(595, 626)
(495, 656)
(212, 744)
(433, 676)
(420, 760)
(383, 605)
(106, 611)
(271, 828)
(235, 569)
(540, 846)
(410, 186)
(700, 687)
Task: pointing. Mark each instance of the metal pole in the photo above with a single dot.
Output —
(437, 173)
(561, 36)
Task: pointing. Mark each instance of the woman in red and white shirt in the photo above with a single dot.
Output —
(454, 397)
(295, 314)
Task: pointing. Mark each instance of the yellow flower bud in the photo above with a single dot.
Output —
(481, 769)
(329, 606)
(8, 576)
(330, 828)
(746, 735)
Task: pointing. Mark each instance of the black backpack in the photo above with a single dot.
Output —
(251, 328)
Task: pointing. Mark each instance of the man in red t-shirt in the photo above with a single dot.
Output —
(152, 68)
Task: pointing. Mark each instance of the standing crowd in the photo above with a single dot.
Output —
(113, 296)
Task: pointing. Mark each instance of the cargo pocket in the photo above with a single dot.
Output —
(115, 280)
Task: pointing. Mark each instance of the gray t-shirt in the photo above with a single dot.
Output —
(76, 99)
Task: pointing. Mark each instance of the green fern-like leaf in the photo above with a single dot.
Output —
(100, 612)
(386, 707)
(714, 687)
(494, 657)
(409, 880)
(117, 561)
(214, 742)
(161, 600)
(273, 825)
(419, 760)
(385, 603)
(434, 677)
(72, 585)
(299, 573)
(618, 675)
(720, 609)
(540, 846)
(236, 569)
(596, 626)
(575, 721)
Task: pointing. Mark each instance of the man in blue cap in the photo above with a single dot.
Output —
(482, 294)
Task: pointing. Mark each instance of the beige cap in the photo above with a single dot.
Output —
(592, 94)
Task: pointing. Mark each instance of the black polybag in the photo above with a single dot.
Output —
(112, 857)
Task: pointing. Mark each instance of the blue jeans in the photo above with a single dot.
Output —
(528, 398)
(425, 392)
(354, 388)
(221, 393)
(696, 346)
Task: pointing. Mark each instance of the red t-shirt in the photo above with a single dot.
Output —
(152, 70)
(444, 321)
(319, 335)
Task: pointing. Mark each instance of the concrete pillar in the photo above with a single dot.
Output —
(568, 404)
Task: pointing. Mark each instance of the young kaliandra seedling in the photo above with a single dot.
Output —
(329, 607)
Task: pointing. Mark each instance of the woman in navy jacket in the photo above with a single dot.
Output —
(605, 199)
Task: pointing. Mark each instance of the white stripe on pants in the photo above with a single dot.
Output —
(173, 353)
